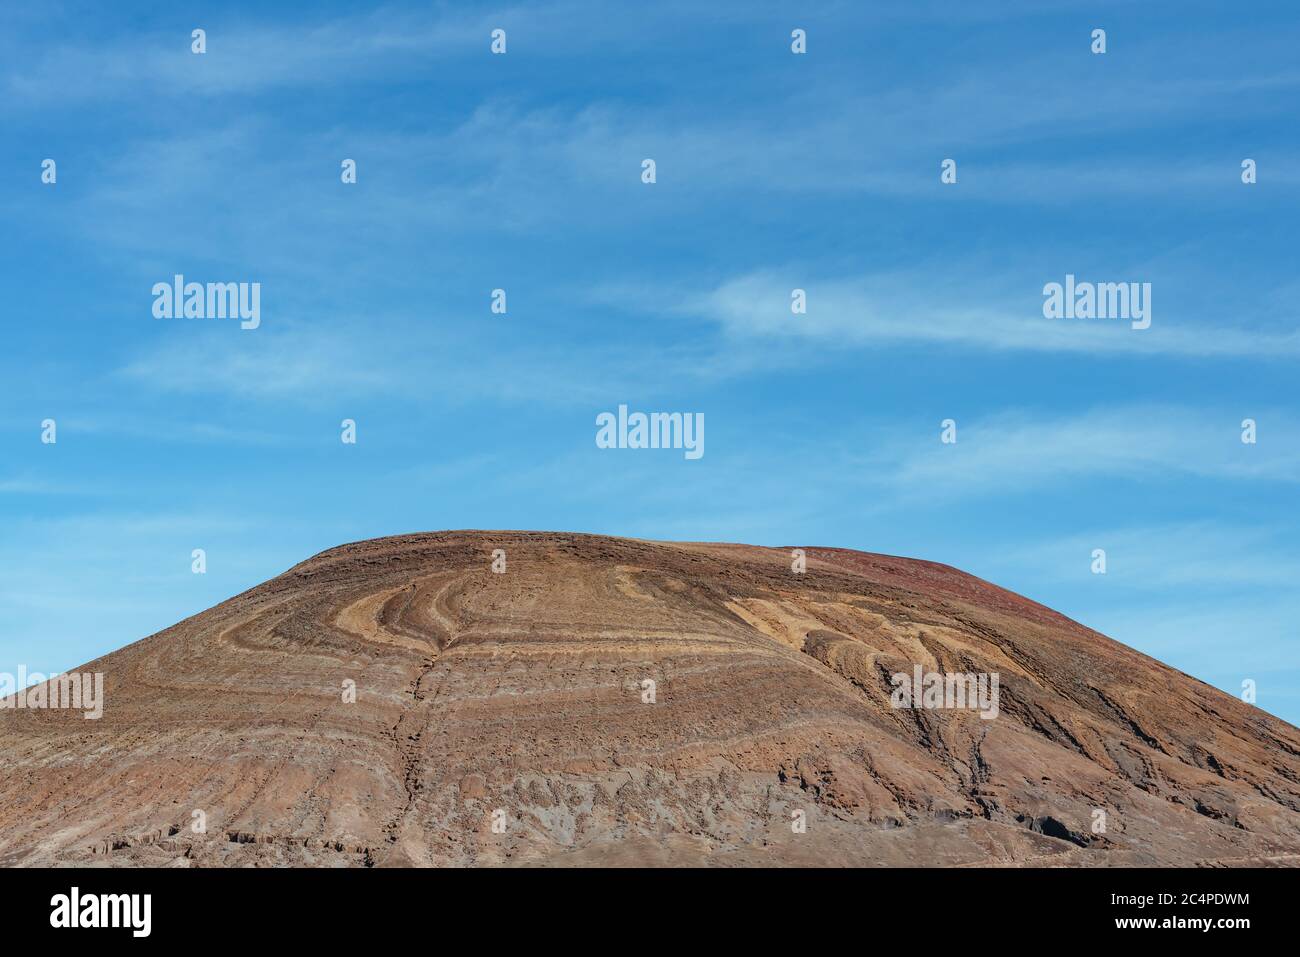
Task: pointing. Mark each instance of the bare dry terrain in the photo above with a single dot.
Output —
(518, 697)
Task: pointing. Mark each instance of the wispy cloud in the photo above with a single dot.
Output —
(28, 484)
(242, 57)
(1212, 557)
(1014, 452)
(935, 308)
(297, 360)
(317, 362)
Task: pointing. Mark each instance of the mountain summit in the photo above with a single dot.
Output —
(486, 698)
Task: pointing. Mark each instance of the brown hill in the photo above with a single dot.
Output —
(517, 698)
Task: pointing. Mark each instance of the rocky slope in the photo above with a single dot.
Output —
(505, 719)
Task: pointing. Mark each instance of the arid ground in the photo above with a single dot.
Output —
(508, 719)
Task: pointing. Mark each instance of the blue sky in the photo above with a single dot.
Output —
(775, 171)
